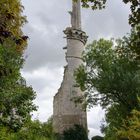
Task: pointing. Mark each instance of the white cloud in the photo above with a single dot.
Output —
(95, 118)
(45, 82)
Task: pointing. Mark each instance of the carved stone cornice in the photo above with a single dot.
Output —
(76, 34)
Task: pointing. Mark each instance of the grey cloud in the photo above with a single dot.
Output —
(42, 51)
(45, 82)
(44, 111)
(28, 29)
(48, 19)
(46, 37)
(95, 117)
(110, 22)
(44, 79)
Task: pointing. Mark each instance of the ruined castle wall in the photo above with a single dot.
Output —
(65, 112)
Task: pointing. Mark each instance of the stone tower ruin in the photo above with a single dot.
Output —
(65, 112)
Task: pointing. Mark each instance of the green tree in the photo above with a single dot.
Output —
(111, 78)
(75, 133)
(97, 138)
(114, 117)
(133, 41)
(131, 127)
(110, 74)
(32, 130)
(16, 98)
(35, 130)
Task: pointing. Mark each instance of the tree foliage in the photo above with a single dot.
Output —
(111, 74)
(133, 41)
(131, 127)
(16, 98)
(32, 130)
(97, 138)
(75, 133)
(111, 77)
(11, 22)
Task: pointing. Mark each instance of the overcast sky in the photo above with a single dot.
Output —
(45, 57)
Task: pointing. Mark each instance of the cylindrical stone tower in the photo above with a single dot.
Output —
(65, 112)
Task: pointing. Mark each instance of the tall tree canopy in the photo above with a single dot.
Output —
(110, 73)
(16, 99)
(110, 77)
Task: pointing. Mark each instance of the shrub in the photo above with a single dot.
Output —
(75, 133)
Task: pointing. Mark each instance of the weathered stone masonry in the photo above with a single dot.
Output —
(65, 112)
